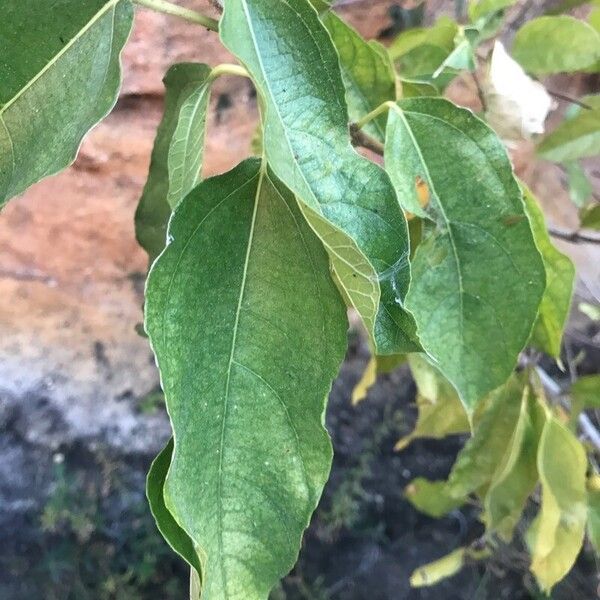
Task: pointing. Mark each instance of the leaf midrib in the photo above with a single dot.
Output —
(261, 176)
(111, 4)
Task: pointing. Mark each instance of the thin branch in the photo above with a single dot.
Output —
(178, 11)
(568, 99)
(573, 237)
(360, 138)
(588, 428)
(480, 93)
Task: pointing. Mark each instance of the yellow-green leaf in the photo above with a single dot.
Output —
(516, 476)
(439, 569)
(441, 412)
(377, 365)
(560, 278)
(431, 497)
(556, 535)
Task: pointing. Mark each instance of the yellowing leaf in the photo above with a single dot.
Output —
(431, 497)
(478, 460)
(377, 365)
(516, 475)
(560, 277)
(441, 412)
(593, 520)
(556, 535)
(439, 569)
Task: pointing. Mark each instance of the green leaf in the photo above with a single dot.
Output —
(580, 187)
(177, 154)
(590, 217)
(560, 279)
(307, 144)
(415, 89)
(441, 34)
(477, 254)
(556, 535)
(516, 476)
(177, 538)
(556, 44)
(431, 497)
(367, 72)
(575, 138)
(482, 8)
(60, 75)
(233, 303)
(585, 394)
(440, 410)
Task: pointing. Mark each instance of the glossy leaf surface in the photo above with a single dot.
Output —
(177, 154)
(230, 318)
(477, 254)
(560, 277)
(295, 67)
(60, 75)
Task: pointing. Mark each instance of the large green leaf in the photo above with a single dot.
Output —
(177, 538)
(477, 254)
(232, 305)
(560, 277)
(177, 154)
(574, 138)
(556, 535)
(296, 70)
(367, 72)
(516, 475)
(59, 76)
(556, 44)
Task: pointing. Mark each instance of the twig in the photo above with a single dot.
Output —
(588, 428)
(574, 237)
(568, 99)
(179, 11)
(479, 91)
(360, 138)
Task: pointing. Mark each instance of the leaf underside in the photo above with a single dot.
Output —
(296, 70)
(177, 154)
